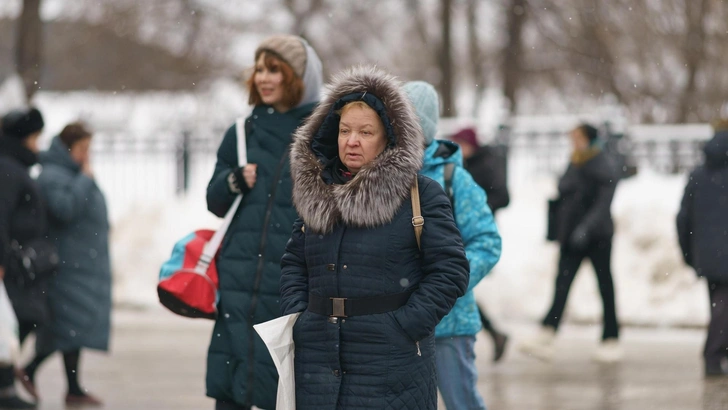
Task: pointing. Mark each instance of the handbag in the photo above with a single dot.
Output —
(552, 230)
(34, 260)
(188, 280)
(9, 344)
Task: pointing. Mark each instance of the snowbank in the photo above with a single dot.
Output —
(653, 286)
(142, 239)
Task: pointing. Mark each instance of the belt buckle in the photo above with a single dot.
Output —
(338, 307)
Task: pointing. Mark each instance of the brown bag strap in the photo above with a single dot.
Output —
(417, 220)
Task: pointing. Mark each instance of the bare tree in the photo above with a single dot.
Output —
(447, 79)
(693, 52)
(29, 46)
(511, 64)
(476, 54)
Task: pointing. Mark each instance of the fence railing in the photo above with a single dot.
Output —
(170, 165)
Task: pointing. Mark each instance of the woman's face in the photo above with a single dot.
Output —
(361, 137)
(579, 141)
(81, 151)
(269, 83)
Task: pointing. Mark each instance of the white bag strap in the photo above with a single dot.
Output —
(211, 247)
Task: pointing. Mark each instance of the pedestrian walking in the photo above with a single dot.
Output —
(702, 227)
(488, 169)
(584, 229)
(371, 289)
(455, 335)
(23, 227)
(80, 293)
(284, 88)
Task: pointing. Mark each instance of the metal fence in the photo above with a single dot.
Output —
(549, 150)
(171, 164)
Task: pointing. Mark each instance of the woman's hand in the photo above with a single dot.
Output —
(243, 179)
(86, 169)
(250, 174)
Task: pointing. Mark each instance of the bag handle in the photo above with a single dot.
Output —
(418, 221)
(211, 247)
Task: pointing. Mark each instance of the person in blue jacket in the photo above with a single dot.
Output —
(455, 335)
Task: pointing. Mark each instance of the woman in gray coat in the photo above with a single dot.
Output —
(80, 292)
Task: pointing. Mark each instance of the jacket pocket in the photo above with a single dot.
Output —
(399, 339)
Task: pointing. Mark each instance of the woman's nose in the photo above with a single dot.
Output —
(353, 140)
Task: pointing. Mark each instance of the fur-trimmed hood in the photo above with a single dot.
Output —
(376, 193)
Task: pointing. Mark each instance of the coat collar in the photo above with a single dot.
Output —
(13, 147)
(376, 193)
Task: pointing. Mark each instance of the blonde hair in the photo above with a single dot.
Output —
(348, 106)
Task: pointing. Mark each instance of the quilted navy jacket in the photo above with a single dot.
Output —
(356, 240)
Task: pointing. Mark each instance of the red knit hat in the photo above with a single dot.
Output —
(466, 136)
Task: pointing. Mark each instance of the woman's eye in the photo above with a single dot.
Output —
(343, 131)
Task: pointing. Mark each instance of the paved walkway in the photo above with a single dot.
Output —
(158, 363)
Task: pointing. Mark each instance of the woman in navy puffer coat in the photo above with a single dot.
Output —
(370, 298)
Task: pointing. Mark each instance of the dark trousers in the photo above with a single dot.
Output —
(716, 344)
(7, 375)
(227, 405)
(599, 253)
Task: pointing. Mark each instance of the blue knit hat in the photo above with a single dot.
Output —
(427, 104)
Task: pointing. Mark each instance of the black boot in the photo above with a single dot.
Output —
(500, 341)
(719, 369)
(14, 402)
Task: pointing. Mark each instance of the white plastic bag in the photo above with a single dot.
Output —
(9, 346)
(278, 337)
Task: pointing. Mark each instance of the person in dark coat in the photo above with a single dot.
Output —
(80, 292)
(284, 89)
(584, 229)
(702, 227)
(22, 223)
(487, 166)
(489, 172)
(370, 297)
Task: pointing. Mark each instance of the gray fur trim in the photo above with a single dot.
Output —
(376, 193)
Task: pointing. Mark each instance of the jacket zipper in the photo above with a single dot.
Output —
(259, 274)
(419, 353)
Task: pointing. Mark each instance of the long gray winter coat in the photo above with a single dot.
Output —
(359, 242)
(80, 292)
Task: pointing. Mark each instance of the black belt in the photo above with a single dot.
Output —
(345, 307)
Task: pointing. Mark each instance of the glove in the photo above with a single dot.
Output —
(579, 239)
(236, 182)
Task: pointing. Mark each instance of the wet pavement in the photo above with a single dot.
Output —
(158, 363)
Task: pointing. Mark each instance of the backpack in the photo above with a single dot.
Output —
(449, 172)
(188, 281)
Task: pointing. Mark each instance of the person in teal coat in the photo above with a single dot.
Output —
(79, 292)
(455, 335)
(284, 90)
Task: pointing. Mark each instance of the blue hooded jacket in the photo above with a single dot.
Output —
(477, 227)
